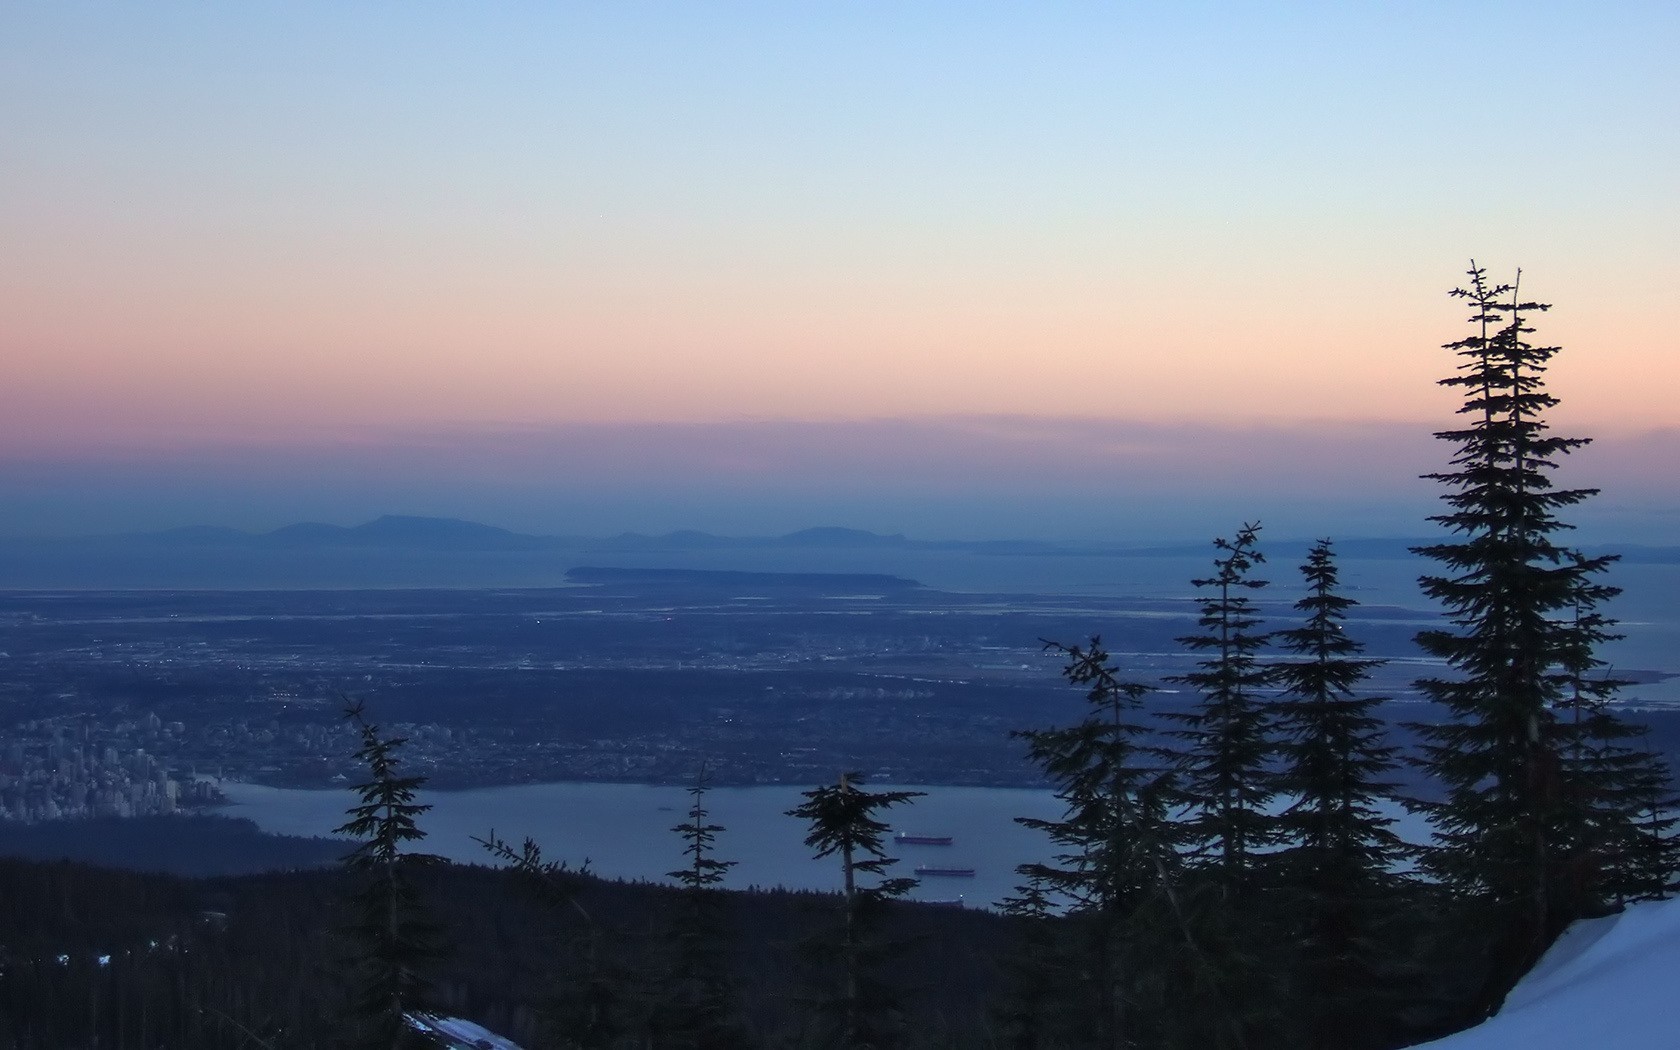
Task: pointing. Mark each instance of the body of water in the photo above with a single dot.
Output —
(624, 830)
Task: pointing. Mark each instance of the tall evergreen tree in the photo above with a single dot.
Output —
(1226, 782)
(1337, 866)
(863, 1007)
(1522, 609)
(1115, 862)
(395, 944)
(1224, 773)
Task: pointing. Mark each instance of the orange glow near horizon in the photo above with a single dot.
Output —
(264, 226)
(112, 376)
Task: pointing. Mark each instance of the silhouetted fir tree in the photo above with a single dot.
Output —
(1619, 824)
(1618, 797)
(1518, 649)
(862, 1007)
(588, 1006)
(1337, 865)
(394, 943)
(1223, 768)
(1225, 783)
(1038, 966)
(1116, 851)
(698, 1008)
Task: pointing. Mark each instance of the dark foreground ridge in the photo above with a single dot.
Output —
(102, 957)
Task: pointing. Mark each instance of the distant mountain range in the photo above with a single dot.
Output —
(404, 551)
(390, 531)
(403, 532)
(451, 534)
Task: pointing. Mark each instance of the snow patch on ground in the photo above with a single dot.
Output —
(1609, 982)
(459, 1034)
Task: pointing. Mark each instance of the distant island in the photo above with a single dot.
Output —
(732, 580)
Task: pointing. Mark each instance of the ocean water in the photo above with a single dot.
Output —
(624, 830)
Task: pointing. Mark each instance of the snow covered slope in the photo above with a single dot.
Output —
(1611, 982)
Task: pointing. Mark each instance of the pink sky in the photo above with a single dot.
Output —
(288, 237)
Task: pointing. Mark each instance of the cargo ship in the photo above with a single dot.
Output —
(904, 839)
(948, 873)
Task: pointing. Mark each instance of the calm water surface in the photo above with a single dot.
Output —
(624, 830)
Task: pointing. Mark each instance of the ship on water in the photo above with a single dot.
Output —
(947, 873)
(906, 839)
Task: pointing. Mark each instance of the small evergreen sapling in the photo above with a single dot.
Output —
(395, 944)
(699, 1008)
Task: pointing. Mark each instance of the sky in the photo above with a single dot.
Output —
(1061, 270)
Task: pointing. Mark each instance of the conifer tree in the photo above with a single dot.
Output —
(1618, 830)
(699, 1008)
(1225, 784)
(395, 943)
(1524, 625)
(1116, 851)
(586, 1009)
(1038, 967)
(1227, 742)
(863, 1007)
(1337, 866)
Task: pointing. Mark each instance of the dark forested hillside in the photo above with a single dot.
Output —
(96, 956)
(196, 845)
